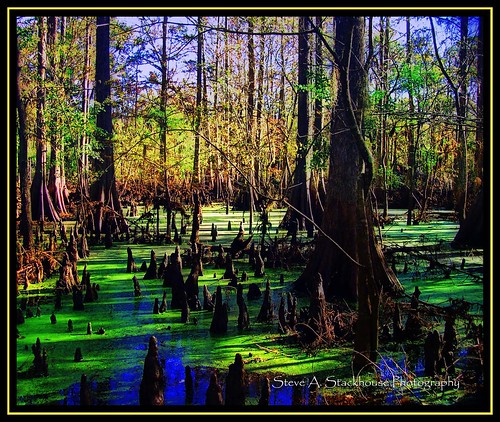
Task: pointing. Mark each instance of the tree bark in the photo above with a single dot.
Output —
(25, 226)
(42, 206)
(345, 254)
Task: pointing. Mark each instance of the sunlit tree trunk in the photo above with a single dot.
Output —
(384, 138)
(459, 89)
(300, 197)
(346, 254)
(41, 202)
(103, 189)
(164, 128)
(56, 183)
(250, 119)
(410, 134)
(198, 114)
(83, 158)
(461, 181)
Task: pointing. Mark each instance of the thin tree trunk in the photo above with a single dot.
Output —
(198, 117)
(42, 205)
(25, 225)
(164, 128)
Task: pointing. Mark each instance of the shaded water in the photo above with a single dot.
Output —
(124, 390)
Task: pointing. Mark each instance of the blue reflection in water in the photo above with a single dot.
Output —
(123, 389)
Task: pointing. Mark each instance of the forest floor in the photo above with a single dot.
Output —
(113, 362)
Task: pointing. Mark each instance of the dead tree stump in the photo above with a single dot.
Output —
(265, 393)
(208, 304)
(282, 322)
(151, 391)
(163, 305)
(253, 292)
(172, 275)
(213, 396)
(318, 327)
(259, 264)
(397, 325)
(152, 271)
(137, 287)
(266, 312)
(213, 233)
(432, 353)
(131, 266)
(229, 273)
(90, 292)
(243, 318)
(78, 355)
(184, 307)
(236, 383)
(220, 317)
(156, 307)
(78, 304)
(67, 278)
(449, 345)
(292, 311)
(84, 391)
(188, 384)
(40, 364)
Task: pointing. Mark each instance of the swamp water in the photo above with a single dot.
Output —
(113, 362)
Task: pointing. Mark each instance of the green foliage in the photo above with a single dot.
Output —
(413, 78)
(320, 86)
(321, 153)
(393, 180)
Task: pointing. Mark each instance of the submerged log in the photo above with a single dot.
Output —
(151, 391)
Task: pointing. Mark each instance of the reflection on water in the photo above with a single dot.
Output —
(124, 388)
